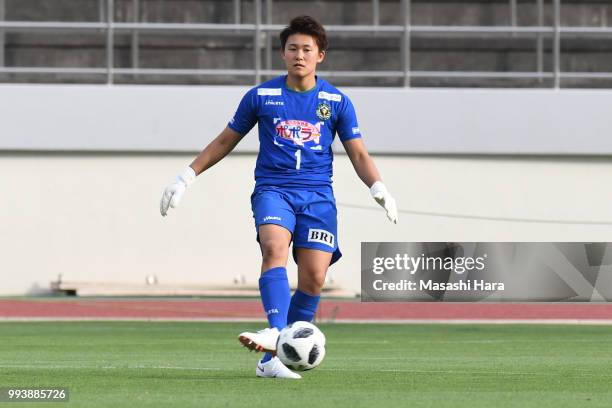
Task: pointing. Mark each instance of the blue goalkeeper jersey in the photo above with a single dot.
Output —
(296, 131)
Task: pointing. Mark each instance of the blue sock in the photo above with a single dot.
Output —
(275, 297)
(303, 307)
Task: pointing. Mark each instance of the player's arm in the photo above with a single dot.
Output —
(368, 173)
(216, 150)
(361, 160)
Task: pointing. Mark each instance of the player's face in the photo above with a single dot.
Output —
(301, 55)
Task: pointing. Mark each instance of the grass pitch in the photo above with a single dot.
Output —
(182, 364)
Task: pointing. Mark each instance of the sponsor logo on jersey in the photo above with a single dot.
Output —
(356, 130)
(321, 236)
(323, 111)
(269, 91)
(274, 103)
(298, 131)
(271, 217)
(330, 96)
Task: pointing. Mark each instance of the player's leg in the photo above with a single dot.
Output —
(273, 288)
(274, 241)
(273, 283)
(315, 248)
(274, 220)
(312, 269)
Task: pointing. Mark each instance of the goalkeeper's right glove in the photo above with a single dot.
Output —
(173, 193)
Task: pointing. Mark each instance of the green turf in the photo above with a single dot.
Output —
(146, 364)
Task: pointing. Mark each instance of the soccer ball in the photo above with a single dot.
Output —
(301, 346)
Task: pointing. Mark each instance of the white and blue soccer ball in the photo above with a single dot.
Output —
(301, 346)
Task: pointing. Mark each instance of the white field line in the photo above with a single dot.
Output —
(476, 321)
(435, 341)
(368, 369)
(460, 372)
(130, 319)
(107, 367)
(365, 321)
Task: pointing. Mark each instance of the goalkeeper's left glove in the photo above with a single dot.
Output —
(381, 195)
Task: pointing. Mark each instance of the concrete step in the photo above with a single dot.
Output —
(424, 12)
(347, 52)
(37, 50)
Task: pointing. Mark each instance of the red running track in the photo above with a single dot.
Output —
(328, 310)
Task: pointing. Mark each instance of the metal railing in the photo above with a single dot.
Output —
(2, 6)
(405, 32)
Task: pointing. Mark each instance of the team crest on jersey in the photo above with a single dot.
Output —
(323, 111)
(298, 131)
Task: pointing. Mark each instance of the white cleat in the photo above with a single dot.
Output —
(275, 369)
(263, 340)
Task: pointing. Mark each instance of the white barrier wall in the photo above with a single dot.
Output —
(96, 217)
(173, 118)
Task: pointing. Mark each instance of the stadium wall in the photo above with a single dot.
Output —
(394, 120)
(93, 216)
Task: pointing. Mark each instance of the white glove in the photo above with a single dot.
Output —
(381, 195)
(173, 193)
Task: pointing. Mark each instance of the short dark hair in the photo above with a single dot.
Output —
(308, 26)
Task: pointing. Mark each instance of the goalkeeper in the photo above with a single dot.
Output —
(298, 115)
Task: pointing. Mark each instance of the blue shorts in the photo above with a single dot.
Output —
(310, 216)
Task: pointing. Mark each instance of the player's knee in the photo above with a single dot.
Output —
(312, 283)
(273, 249)
(312, 288)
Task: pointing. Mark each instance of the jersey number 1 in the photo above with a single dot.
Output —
(298, 157)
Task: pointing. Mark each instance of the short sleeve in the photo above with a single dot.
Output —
(246, 115)
(347, 126)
